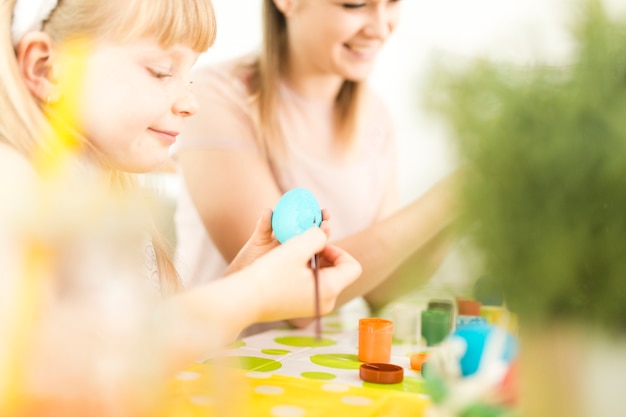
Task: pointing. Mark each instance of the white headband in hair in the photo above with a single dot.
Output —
(29, 15)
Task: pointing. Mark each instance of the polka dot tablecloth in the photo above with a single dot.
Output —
(289, 373)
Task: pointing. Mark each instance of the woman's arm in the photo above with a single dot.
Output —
(402, 251)
(409, 236)
(245, 187)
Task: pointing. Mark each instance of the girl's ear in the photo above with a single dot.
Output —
(284, 6)
(35, 59)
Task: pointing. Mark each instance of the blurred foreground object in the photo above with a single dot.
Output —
(546, 206)
(77, 336)
(473, 368)
(77, 339)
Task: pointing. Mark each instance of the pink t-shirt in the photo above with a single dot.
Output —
(353, 190)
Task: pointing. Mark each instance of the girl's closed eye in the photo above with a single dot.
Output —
(353, 5)
(359, 5)
(158, 73)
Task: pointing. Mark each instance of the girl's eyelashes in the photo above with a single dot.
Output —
(352, 5)
(169, 78)
(157, 73)
(361, 4)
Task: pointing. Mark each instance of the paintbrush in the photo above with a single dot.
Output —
(314, 267)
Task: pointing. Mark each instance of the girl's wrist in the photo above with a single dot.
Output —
(250, 295)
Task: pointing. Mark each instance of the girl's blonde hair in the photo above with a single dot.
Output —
(189, 22)
(265, 80)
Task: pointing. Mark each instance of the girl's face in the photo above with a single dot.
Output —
(339, 37)
(136, 97)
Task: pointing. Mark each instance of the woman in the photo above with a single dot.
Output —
(299, 114)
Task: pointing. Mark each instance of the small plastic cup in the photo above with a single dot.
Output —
(406, 319)
(418, 360)
(493, 314)
(446, 305)
(435, 326)
(375, 338)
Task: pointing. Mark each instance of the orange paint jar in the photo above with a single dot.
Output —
(375, 337)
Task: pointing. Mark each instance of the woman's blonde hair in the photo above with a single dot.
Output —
(265, 80)
(189, 22)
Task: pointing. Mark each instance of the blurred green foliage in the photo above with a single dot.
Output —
(546, 198)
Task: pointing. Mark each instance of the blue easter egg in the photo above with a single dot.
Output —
(296, 211)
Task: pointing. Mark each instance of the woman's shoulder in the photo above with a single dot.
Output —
(379, 123)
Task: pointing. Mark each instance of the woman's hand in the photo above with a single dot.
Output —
(263, 240)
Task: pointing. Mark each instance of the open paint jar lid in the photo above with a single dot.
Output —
(381, 373)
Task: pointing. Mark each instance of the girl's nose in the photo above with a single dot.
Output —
(186, 104)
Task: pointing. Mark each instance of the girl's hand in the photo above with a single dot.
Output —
(282, 281)
(263, 240)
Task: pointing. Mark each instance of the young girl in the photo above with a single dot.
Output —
(132, 95)
(299, 113)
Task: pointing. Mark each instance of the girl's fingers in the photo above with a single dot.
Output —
(339, 258)
(306, 244)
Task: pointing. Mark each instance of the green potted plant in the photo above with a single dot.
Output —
(546, 207)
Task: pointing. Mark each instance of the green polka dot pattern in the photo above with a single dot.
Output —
(303, 341)
(321, 376)
(275, 351)
(337, 360)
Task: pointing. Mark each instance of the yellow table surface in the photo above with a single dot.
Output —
(289, 373)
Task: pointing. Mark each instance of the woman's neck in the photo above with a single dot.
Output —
(313, 86)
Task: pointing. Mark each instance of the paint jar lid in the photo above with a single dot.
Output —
(468, 307)
(381, 373)
(441, 304)
(375, 325)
